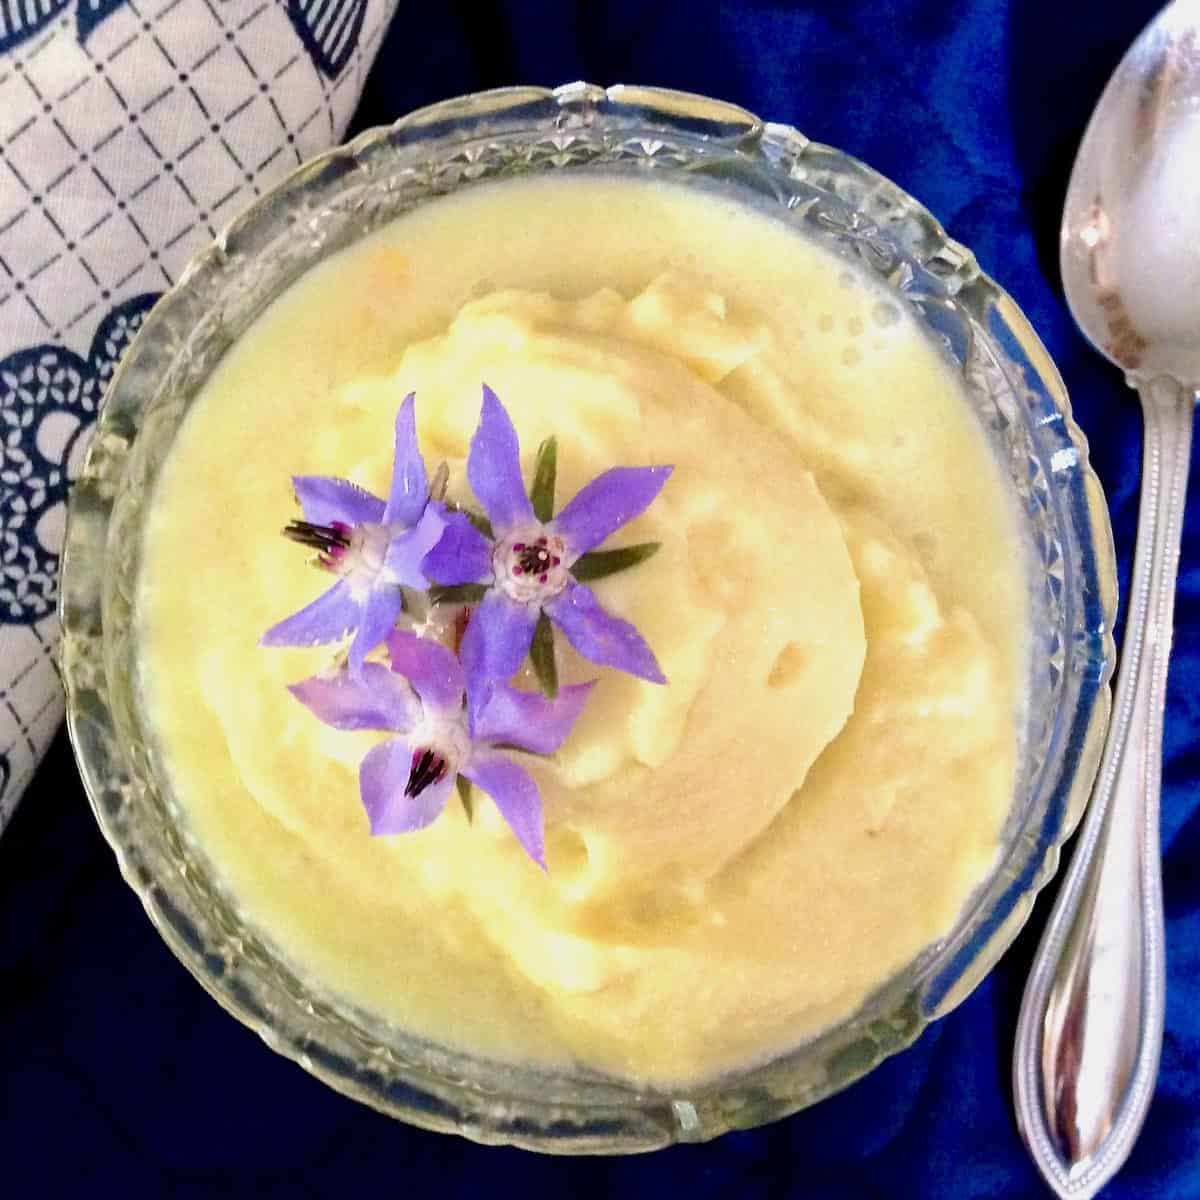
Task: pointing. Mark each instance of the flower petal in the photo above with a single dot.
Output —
(375, 699)
(383, 606)
(382, 778)
(528, 720)
(515, 795)
(601, 637)
(410, 486)
(325, 500)
(608, 502)
(463, 555)
(494, 467)
(429, 667)
(496, 641)
(407, 549)
(332, 615)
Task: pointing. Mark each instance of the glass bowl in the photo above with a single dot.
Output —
(350, 191)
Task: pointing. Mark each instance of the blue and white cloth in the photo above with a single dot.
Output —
(131, 131)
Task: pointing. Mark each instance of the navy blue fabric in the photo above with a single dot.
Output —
(118, 1070)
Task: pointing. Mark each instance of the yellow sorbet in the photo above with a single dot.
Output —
(737, 859)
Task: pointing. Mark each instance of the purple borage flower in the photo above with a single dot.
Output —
(406, 781)
(372, 546)
(526, 564)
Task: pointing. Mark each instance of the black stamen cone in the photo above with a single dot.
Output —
(534, 559)
(427, 768)
(318, 537)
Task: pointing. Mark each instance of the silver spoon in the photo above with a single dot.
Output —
(1091, 1024)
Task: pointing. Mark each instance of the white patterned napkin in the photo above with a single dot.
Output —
(130, 132)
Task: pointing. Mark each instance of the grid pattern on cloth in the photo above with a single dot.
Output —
(131, 131)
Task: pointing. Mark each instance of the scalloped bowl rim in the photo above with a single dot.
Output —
(570, 1126)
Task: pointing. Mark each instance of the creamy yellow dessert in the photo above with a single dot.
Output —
(735, 859)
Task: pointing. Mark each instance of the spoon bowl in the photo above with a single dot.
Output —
(1130, 254)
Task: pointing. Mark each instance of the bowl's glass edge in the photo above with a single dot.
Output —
(635, 1122)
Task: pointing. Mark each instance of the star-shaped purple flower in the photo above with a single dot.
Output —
(526, 564)
(372, 546)
(446, 726)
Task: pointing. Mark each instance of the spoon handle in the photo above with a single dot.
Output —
(1090, 1030)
